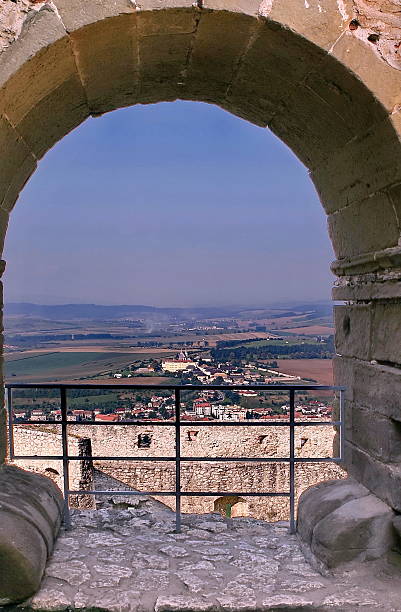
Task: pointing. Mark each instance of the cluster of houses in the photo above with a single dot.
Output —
(207, 405)
(207, 372)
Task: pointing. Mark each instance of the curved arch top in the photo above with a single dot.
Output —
(300, 72)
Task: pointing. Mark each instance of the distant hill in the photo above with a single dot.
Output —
(68, 312)
(71, 312)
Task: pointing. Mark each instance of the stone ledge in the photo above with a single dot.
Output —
(343, 522)
(368, 262)
(30, 517)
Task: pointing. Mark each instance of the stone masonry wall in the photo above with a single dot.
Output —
(376, 22)
(206, 476)
(232, 477)
(41, 440)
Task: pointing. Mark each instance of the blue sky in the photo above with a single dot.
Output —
(174, 204)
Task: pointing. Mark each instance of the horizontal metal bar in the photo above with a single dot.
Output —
(188, 459)
(153, 423)
(181, 493)
(113, 385)
(247, 423)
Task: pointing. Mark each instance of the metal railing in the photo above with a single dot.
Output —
(177, 423)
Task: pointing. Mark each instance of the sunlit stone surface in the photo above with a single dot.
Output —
(131, 560)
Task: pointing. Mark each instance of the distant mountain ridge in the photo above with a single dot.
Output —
(97, 311)
(137, 311)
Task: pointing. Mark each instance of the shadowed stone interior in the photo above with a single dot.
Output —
(30, 518)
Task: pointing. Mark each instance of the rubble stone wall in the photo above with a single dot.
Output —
(195, 476)
(41, 440)
(232, 477)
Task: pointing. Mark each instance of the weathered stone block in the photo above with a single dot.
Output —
(269, 70)
(379, 388)
(156, 5)
(363, 167)
(163, 61)
(304, 135)
(395, 197)
(4, 217)
(353, 326)
(384, 480)
(76, 14)
(363, 227)
(360, 529)
(44, 94)
(54, 116)
(107, 57)
(397, 526)
(220, 41)
(16, 165)
(177, 17)
(30, 509)
(343, 370)
(23, 556)
(41, 30)
(320, 22)
(245, 7)
(382, 80)
(346, 95)
(378, 435)
(36, 80)
(352, 290)
(386, 332)
(322, 499)
(372, 386)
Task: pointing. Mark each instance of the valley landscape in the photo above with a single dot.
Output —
(92, 343)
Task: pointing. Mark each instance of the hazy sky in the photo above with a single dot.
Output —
(174, 204)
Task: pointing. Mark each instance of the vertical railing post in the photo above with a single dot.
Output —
(10, 413)
(177, 460)
(66, 466)
(292, 461)
(342, 425)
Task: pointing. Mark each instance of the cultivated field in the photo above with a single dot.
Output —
(34, 366)
(320, 370)
(312, 330)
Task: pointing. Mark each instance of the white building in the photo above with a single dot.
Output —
(179, 364)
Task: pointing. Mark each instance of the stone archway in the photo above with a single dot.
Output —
(231, 506)
(310, 74)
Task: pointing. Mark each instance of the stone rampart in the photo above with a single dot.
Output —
(46, 440)
(195, 476)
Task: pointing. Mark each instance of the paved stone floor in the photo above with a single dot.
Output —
(130, 560)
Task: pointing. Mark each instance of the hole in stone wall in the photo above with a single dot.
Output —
(50, 470)
(144, 440)
(354, 24)
(231, 506)
(374, 38)
(346, 325)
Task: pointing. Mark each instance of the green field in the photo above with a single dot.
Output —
(274, 342)
(48, 367)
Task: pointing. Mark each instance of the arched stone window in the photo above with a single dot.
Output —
(231, 506)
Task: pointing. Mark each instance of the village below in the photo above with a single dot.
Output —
(275, 346)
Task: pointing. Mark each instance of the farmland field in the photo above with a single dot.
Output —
(312, 330)
(320, 370)
(68, 365)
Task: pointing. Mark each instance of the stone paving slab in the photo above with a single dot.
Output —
(131, 560)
